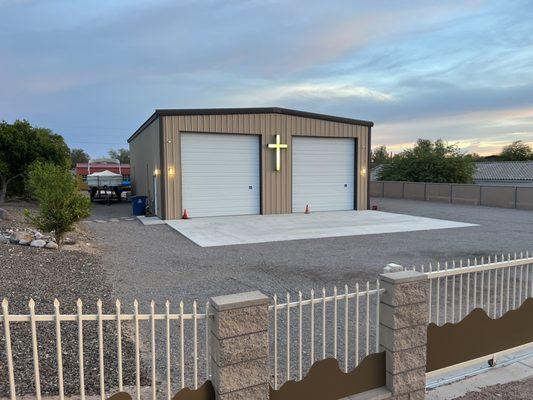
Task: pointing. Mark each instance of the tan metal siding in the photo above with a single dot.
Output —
(145, 158)
(276, 186)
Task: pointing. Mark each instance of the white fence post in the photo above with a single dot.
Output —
(403, 331)
(239, 346)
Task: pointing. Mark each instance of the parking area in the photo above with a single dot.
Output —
(247, 229)
(157, 262)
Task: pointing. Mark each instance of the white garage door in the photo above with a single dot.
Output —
(220, 174)
(323, 174)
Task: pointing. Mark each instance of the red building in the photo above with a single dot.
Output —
(82, 169)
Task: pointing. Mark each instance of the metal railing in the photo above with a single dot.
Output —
(117, 319)
(301, 337)
(496, 284)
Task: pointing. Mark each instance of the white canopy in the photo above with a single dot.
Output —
(104, 173)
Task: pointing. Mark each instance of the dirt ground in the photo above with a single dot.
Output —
(519, 390)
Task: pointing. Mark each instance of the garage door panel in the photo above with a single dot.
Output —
(323, 174)
(217, 173)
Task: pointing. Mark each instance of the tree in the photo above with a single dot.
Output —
(21, 145)
(379, 156)
(516, 151)
(78, 156)
(430, 162)
(60, 202)
(123, 155)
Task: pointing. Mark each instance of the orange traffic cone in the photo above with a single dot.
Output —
(185, 215)
(307, 210)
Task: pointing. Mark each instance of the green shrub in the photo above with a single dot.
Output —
(60, 203)
(429, 161)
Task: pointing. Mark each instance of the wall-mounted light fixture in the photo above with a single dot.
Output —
(363, 171)
(170, 171)
(157, 172)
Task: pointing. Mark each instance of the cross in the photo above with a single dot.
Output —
(278, 146)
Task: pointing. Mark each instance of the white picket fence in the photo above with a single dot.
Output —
(118, 318)
(496, 284)
(346, 328)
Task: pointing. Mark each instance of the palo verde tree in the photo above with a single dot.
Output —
(60, 202)
(21, 145)
(430, 161)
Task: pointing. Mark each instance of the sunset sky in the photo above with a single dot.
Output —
(94, 71)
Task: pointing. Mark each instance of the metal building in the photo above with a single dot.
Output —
(240, 161)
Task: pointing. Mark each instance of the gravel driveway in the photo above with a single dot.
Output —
(156, 262)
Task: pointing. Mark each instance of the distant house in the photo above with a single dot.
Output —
(375, 172)
(512, 173)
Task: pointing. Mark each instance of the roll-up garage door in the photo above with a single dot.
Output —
(220, 174)
(323, 173)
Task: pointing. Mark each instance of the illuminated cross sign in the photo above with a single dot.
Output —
(277, 146)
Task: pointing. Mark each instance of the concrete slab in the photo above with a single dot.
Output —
(245, 229)
(150, 220)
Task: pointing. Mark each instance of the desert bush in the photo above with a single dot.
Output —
(61, 205)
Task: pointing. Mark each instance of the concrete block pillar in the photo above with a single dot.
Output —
(403, 332)
(239, 346)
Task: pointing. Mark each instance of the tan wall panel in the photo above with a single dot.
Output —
(524, 198)
(438, 192)
(466, 194)
(498, 196)
(376, 188)
(393, 190)
(414, 190)
(276, 190)
(145, 158)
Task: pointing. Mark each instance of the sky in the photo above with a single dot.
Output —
(93, 71)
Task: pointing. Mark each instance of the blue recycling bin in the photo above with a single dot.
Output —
(138, 205)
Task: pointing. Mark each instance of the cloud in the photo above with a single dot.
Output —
(416, 68)
(314, 92)
(484, 132)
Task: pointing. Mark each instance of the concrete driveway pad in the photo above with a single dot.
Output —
(246, 229)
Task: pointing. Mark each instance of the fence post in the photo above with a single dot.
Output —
(403, 332)
(239, 346)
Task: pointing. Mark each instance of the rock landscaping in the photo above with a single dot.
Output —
(28, 237)
(14, 229)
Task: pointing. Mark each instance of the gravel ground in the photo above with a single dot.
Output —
(43, 275)
(156, 262)
(519, 390)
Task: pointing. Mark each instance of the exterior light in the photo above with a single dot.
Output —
(157, 172)
(363, 171)
(170, 171)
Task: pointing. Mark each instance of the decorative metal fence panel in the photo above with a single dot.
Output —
(175, 351)
(495, 284)
(344, 326)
